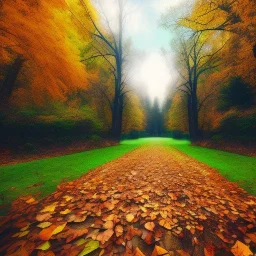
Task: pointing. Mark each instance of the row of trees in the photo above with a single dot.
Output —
(216, 62)
(74, 61)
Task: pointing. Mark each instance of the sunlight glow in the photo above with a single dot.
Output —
(142, 27)
(155, 75)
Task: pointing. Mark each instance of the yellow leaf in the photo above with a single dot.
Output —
(129, 217)
(24, 233)
(89, 247)
(45, 246)
(25, 228)
(49, 208)
(30, 201)
(102, 252)
(68, 198)
(21, 234)
(67, 211)
(241, 249)
(80, 241)
(59, 229)
(44, 224)
(145, 197)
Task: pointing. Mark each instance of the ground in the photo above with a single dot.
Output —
(154, 200)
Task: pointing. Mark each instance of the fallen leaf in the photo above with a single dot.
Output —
(45, 246)
(108, 225)
(159, 251)
(67, 211)
(59, 229)
(103, 237)
(49, 208)
(165, 224)
(44, 225)
(209, 250)
(241, 249)
(138, 252)
(149, 226)
(119, 230)
(129, 217)
(89, 247)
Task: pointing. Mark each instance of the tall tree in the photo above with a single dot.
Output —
(195, 59)
(111, 45)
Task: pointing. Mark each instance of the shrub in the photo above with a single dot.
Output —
(237, 94)
(238, 127)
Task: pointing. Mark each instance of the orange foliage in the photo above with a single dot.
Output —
(45, 34)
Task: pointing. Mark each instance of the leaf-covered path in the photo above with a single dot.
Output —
(152, 201)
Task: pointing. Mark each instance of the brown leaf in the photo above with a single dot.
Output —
(103, 237)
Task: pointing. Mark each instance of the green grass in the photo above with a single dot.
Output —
(51, 171)
(234, 167)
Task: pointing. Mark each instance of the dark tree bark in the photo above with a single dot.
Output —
(10, 78)
(195, 62)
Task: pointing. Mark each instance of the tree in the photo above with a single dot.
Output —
(154, 117)
(51, 69)
(113, 47)
(195, 59)
(231, 16)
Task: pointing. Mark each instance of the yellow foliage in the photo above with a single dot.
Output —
(177, 117)
(134, 116)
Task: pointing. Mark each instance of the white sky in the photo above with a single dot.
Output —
(142, 26)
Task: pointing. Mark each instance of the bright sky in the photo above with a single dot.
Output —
(151, 71)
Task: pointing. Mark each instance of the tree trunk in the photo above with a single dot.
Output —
(9, 81)
(194, 117)
(189, 107)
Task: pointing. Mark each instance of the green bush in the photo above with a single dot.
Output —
(237, 94)
(238, 128)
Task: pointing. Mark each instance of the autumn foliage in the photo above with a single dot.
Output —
(231, 27)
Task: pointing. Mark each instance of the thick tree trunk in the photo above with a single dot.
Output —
(189, 107)
(194, 117)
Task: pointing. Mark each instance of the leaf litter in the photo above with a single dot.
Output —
(153, 201)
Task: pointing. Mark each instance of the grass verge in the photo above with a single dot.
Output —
(42, 176)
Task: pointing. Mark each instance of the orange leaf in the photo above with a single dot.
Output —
(241, 249)
(138, 252)
(209, 250)
(129, 217)
(149, 226)
(159, 251)
(46, 233)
